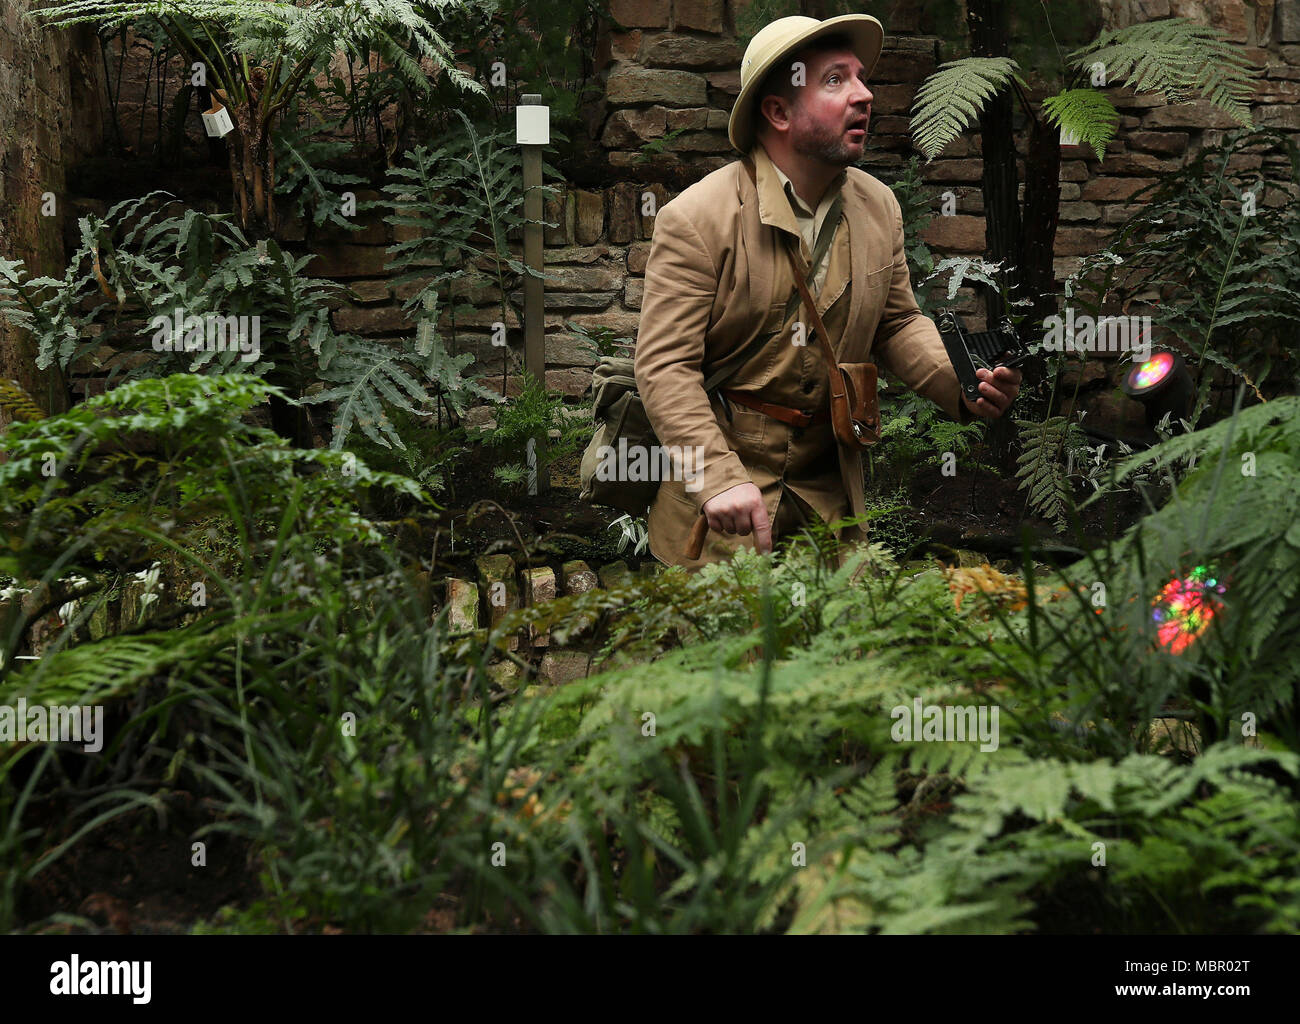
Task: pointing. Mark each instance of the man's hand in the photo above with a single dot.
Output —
(998, 389)
(740, 509)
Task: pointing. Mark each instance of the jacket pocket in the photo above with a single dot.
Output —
(747, 425)
(878, 280)
(775, 318)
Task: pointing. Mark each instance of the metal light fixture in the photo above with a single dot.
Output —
(1162, 384)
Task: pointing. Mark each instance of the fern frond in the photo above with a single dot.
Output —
(18, 403)
(1284, 412)
(952, 98)
(95, 672)
(1177, 59)
(1041, 467)
(1086, 114)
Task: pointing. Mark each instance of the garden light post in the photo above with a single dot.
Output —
(532, 132)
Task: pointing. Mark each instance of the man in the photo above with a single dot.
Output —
(717, 291)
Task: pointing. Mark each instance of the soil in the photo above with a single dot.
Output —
(988, 516)
(132, 876)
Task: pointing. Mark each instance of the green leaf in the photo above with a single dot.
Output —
(952, 98)
(1086, 114)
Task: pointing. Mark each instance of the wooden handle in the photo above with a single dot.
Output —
(695, 543)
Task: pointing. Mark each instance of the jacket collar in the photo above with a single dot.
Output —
(774, 204)
(771, 212)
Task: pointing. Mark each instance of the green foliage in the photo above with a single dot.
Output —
(657, 145)
(951, 99)
(600, 341)
(548, 47)
(916, 200)
(1241, 502)
(161, 453)
(15, 400)
(768, 792)
(963, 269)
(429, 452)
(534, 414)
(511, 477)
(1221, 244)
(259, 57)
(292, 37)
(836, 657)
(1176, 59)
(915, 433)
(732, 764)
(1043, 468)
(1086, 114)
(633, 532)
(150, 260)
(371, 378)
(891, 521)
(447, 199)
(310, 189)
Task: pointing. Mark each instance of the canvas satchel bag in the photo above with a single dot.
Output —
(621, 467)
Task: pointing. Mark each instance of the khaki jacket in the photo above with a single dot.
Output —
(716, 277)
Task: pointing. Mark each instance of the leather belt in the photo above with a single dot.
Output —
(790, 417)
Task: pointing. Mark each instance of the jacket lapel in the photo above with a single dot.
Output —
(753, 232)
(854, 213)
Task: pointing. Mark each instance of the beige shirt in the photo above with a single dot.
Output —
(810, 221)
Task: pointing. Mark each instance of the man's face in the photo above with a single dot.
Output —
(831, 110)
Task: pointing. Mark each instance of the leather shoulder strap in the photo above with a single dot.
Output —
(823, 242)
(823, 339)
(823, 246)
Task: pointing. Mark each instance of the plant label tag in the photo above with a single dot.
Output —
(1068, 138)
(532, 125)
(216, 122)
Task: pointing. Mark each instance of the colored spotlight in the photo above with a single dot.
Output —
(1163, 385)
(1184, 608)
(1152, 371)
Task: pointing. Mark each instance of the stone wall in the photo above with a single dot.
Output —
(51, 115)
(670, 69)
(671, 78)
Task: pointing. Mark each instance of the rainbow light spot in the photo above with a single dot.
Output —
(1184, 608)
(1153, 371)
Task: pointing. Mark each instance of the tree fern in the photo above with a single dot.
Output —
(1086, 114)
(278, 29)
(1177, 59)
(259, 56)
(951, 99)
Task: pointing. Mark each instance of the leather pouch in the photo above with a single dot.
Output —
(858, 425)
